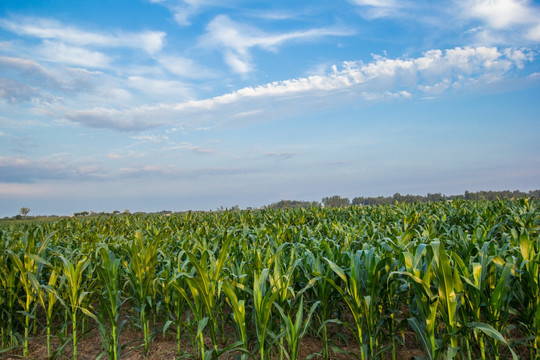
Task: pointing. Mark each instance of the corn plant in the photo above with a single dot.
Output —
(418, 269)
(361, 289)
(296, 329)
(140, 269)
(108, 318)
(238, 307)
(263, 301)
(29, 262)
(283, 278)
(528, 267)
(462, 275)
(47, 298)
(319, 287)
(173, 283)
(205, 286)
(72, 276)
(9, 280)
(486, 294)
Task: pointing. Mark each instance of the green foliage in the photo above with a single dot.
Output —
(462, 276)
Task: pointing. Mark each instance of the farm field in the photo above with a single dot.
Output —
(444, 280)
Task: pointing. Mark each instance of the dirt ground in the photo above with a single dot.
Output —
(90, 347)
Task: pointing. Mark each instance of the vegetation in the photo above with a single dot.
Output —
(461, 277)
(338, 201)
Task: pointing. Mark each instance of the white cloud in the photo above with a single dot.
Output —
(236, 40)
(14, 92)
(145, 138)
(506, 20)
(184, 10)
(42, 28)
(534, 33)
(115, 156)
(170, 88)
(184, 67)
(58, 52)
(197, 149)
(11, 189)
(284, 155)
(381, 8)
(24, 170)
(499, 13)
(24, 80)
(432, 73)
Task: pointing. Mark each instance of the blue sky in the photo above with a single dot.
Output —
(152, 105)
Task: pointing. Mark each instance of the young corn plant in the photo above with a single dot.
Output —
(172, 279)
(205, 286)
(318, 271)
(361, 288)
(295, 329)
(529, 278)
(9, 280)
(450, 289)
(72, 278)
(418, 269)
(47, 298)
(140, 271)
(29, 262)
(263, 301)
(485, 296)
(239, 314)
(110, 302)
(283, 278)
(195, 303)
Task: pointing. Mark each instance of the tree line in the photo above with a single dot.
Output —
(338, 201)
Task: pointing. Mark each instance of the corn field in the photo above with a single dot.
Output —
(454, 280)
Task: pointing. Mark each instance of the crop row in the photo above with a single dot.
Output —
(462, 276)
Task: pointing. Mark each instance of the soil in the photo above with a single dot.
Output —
(89, 348)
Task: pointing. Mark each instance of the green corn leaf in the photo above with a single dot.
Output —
(417, 328)
(492, 333)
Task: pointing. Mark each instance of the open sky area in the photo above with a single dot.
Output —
(153, 105)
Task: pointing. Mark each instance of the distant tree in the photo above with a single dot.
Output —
(397, 197)
(335, 201)
(434, 197)
(24, 211)
(292, 204)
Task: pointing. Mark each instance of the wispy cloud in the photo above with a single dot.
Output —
(236, 40)
(184, 67)
(150, 138)
(435, 72)
(280, 155)
(196, 149)
(152, 86)
(173, 172)
(381, 8)
(184, 10)
(24, 80)
(24, 170)
(15, 92)
(49, 29)
(59, 52)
